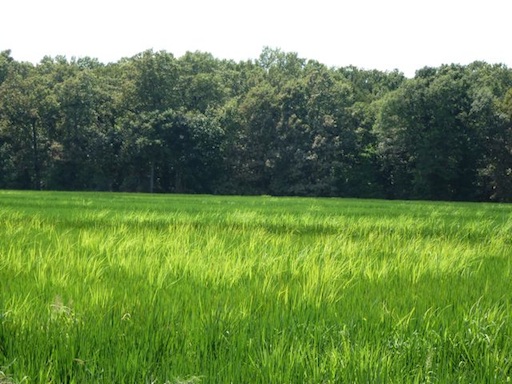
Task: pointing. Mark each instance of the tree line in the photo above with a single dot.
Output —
(277, 125)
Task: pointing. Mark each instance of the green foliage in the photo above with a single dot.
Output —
(98, 287)
(5, 62)
(436, 133)
(279, 125)
(173, 150)
(155, 77)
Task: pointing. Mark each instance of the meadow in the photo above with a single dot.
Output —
(131, 288)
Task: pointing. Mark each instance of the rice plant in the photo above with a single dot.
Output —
(129, 288)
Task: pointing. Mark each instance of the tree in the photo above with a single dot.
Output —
(5, 62)
(497, 173)
(154, 81)
(432, 134)
(200, 82)
(252, 134)
(172, 150)
(279, 125)
(22, 99)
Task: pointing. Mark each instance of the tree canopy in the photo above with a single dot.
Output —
(280, 125)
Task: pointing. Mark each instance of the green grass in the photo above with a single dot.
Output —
(127, 288)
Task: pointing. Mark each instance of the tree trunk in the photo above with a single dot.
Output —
(152, 178)
(37, 178)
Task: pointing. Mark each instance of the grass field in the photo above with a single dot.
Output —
(127, 288)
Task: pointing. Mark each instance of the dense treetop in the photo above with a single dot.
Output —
(279, 125)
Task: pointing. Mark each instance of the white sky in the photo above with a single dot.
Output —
(371, 34)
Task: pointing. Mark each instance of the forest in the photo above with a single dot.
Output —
(276, 125)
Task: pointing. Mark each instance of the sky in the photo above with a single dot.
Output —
(373, 34)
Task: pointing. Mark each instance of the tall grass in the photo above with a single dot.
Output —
(199, 289)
